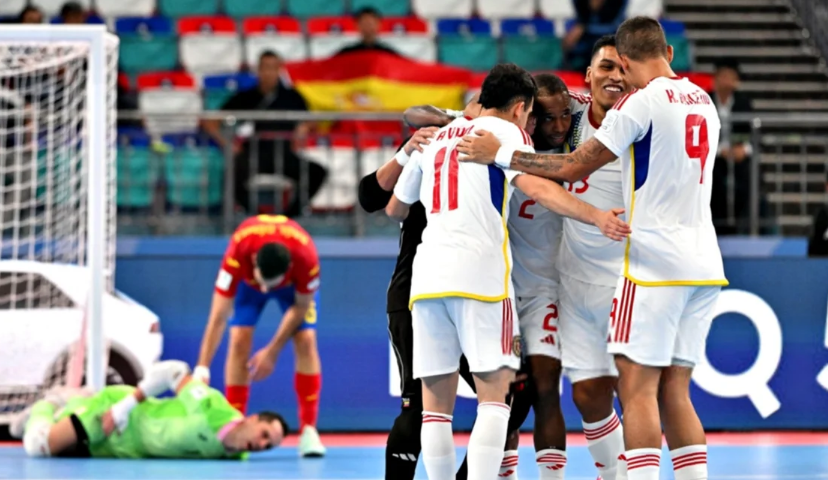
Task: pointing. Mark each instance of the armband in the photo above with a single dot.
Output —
(163, 376)
(401, 157)
(503, 159)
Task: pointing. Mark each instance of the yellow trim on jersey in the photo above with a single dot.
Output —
(505, 249)
(667, 283)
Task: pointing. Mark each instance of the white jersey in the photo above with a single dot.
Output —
(667, 136)
(535, 236)
(465, 249)
(586, 254)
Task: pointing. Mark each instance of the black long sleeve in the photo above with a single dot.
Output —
(818, 243)
(372, 197)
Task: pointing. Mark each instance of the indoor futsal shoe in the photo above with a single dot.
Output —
(310, 445)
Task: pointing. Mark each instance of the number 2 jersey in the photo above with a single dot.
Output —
(465, 249)
(666, 136)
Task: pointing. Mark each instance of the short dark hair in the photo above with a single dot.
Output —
(272, 260)
(27, 9)
(69, 8)
(550, 84)
(727, 63)
(641, 38)
(605, 41)
(367, 11)
(269, 54)
(270, 417)
(505, 85)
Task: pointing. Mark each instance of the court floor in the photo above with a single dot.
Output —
(751, 456)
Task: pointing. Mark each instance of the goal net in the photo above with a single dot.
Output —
(46, 145)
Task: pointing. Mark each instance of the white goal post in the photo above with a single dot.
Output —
(78, 66)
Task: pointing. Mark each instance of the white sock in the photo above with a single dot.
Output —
(551, 464)
(621, 471)
(606, 442)
(643, 463)
(438, 446)
(485, 452)
(690, 463)
(509, 466)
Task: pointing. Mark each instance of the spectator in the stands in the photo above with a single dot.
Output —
(369, 22)
(595, 18)
(271, 94)
(72, 13)
(734, 151)
(818, 243)
(30, 15)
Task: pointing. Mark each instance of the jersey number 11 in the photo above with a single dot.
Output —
(453, 167)
(695, 143)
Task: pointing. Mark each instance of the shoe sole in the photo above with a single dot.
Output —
(313, 455)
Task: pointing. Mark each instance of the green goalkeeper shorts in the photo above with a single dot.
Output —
(88, 412)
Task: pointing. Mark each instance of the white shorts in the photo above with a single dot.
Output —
(538, 318)
(585, 310)
(445, 328)
(661, 326)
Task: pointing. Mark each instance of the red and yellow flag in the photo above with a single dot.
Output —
(378, 81)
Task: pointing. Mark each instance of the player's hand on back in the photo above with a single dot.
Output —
(612, 226)
(421, 137)
(481, 147)
(261, 365)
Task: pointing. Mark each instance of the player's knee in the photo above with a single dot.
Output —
(304, 343)
(407, 426)
(36, 440)
(674, 391)
(241, 341)
(546, 377)
(593, 397)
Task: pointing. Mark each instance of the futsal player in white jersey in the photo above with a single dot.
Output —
(461, 294)
(666, 135)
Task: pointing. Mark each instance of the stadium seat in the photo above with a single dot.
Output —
(315, 8)
(252, 8)
(193, 173)
(409, 36)
(507, 8)
(682, 61)
(147, 44)
(458, 26)
(328, 35)
(647, 8)
(12, 8)
(138, 173)
(50, 8)
(219, 88)
(385, 7)
(169, 93)
(184, 8)
(120, 8)
(672, 27)
(433, 9)
(209, 45)
(532, 44)
(557, 9)
(475, 52)
(283, 35)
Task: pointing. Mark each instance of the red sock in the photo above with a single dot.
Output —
(307, 394)
(237, 396)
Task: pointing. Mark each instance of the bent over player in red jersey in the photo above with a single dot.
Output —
(269, 257)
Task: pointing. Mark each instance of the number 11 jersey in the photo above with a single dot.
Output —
(666, 135)
(465, 250)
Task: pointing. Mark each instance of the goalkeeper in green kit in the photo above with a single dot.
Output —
(128, 422)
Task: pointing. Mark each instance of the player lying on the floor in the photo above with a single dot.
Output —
(127, 422)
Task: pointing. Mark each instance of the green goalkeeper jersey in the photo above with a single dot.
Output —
(184, 426)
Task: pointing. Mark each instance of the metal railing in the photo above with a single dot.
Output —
(190, 187)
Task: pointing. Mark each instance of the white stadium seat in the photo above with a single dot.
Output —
(9, 8)
(432, 9)
(206, 54)
(557, 9)
(325, 46)
(340, 188)
(52, 7)
(179, 101)
(649, 8)
(422, 48)
(293, 48)
(507, 8)
(121, 8)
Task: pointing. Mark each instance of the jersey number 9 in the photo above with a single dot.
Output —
(453, 167)
(695, 142)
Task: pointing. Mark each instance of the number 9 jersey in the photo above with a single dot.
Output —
(465, 250)
(667, 135)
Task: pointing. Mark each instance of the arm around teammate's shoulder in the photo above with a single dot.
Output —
(553, 197)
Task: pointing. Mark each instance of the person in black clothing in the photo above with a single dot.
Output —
(818, 243)
(368, 22)
(270, 94)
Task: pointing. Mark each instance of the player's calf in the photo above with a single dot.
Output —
(485, 451)
(439, 395)
(682, 427)
(638, 391)
(550, 430)
(594, 399)
(237, 387)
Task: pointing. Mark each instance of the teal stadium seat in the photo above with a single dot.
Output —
(138, 173)
(681, 53)
(219, 88)
(147, 44)
(194, 176)
(252, 8)
(389, 8)
(533, 53)
(184, 8)
(477, 53)
(315, 8)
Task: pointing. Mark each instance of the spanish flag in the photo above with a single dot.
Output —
(378, 81)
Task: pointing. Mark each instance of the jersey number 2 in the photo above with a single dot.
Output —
(453, 167)
(695, 142)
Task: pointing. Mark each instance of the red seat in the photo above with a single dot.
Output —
(331, 25)
(408, 25)
(196, 25)
(254, 25)
(165, 80)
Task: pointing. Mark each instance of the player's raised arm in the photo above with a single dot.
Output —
(407, 190)
(555, 198)
(426, 115)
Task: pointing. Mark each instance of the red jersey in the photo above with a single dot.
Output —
(252, 234)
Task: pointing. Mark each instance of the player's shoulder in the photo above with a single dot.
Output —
(503, 130)
(578, 99)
